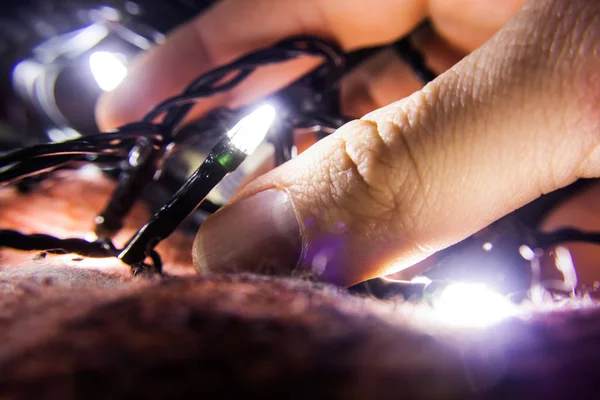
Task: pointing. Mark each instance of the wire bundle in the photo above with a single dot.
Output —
(144, 145)
(140, 149)
(114, 145)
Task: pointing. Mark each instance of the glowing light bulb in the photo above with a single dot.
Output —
(421, 279)
(108, 70)
(527, 253)
(472, 304)
(247, 134)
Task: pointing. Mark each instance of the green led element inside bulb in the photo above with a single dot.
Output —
(226, 155)
(226, 160)
(250, 131)
(243, 138)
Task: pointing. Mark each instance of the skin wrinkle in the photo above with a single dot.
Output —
(521, 54)
(367, 151)
(481, 123)
(424, 106)
(338, 178)
(312, 206)
(398, 116)
(465, 127)
(409, 118)
(375, 226)
(513, 77)
(432, 92)
(432, 95)
(354, 191)
(421, 190)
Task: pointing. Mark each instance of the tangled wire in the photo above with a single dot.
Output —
(139, 149)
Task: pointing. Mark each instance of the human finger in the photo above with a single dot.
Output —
(233, 28)
(515, 119)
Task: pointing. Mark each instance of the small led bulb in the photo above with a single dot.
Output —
(472, 304)
(108, 69)
(224, 158)
(247, 134)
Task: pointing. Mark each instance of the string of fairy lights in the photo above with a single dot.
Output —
(142, 148)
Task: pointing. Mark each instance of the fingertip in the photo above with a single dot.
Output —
(257, 234)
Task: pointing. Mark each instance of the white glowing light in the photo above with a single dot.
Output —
(108, 69)
(24, 76)
(247, 134)
(564, 263)
(421, 279)
(62, 134)
(487, 246)
(472, 305)
(90, 236)
(527, 252)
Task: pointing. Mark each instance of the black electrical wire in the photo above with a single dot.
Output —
(212, 126)
(48, 244)
(184, 100)
(223, 159)
(42, 165)
(36, 166)
(150, 143)
(215, 81)
(414, 59)
(104, 143)
(283, 51)
(53, 245)
(63, 148)
(47, 157)
(145, 145)
(141, 167)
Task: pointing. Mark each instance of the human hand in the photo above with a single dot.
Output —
(516, 118)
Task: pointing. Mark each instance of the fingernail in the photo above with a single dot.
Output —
(257, 234)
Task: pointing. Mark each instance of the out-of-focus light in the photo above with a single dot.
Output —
(487, 246)
(527, 252)
(132, 8)
(62, 134)
(105, 13)
(421, 279)
(564, 263)
(90, 236)
(24, 76)
(108, 69)
(247, 134)
(471, 305)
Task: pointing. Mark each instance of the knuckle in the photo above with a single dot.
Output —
(390, 171)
